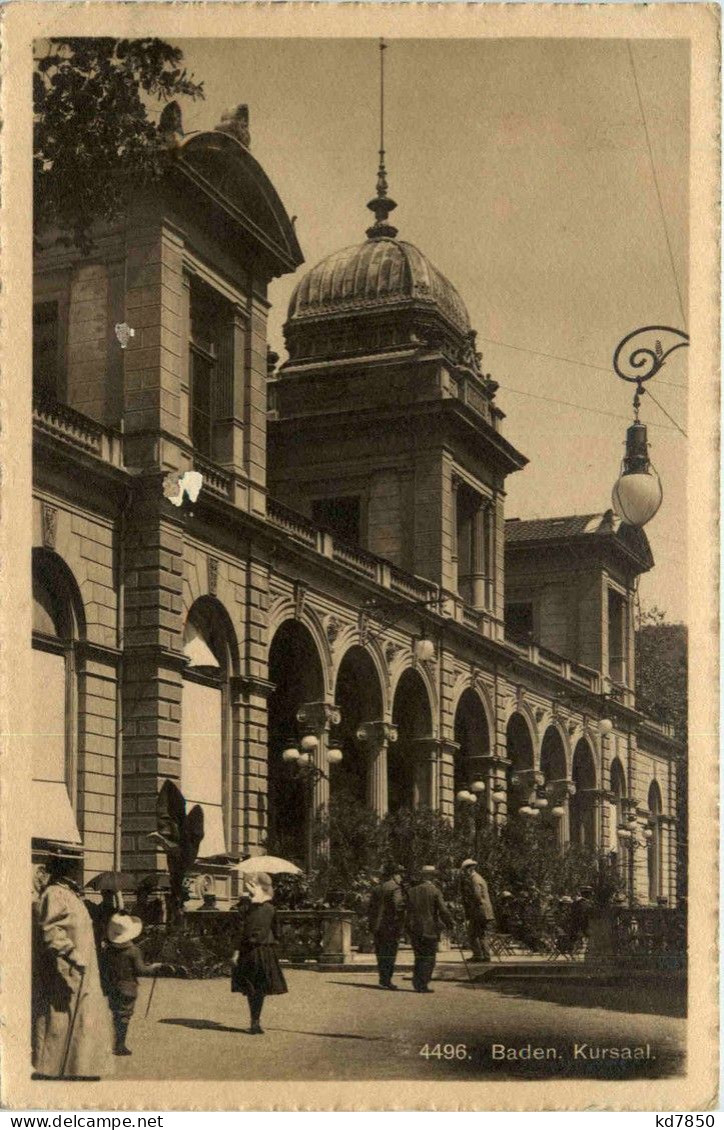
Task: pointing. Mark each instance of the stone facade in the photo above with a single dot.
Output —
(253, 602)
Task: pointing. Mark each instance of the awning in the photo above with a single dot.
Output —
(53, 816)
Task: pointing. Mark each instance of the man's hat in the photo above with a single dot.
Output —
(469, 863)
(123, 928)
(391, 868)
(428, 869)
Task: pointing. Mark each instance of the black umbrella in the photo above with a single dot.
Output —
(112, 881)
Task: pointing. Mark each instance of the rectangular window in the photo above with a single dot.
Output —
(45, 350)
(519, 621)
(617, 636)
(341, 515)
(203, 366)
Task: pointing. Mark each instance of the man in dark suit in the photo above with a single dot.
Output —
(426, 915)
(385, 915)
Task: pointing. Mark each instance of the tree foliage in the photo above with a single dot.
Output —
(94, 139)
(661, 670)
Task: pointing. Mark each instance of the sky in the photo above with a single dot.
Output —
(548, 180)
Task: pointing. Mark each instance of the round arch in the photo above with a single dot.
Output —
(472, 736)
(297, 673)
(208, 619)
(553, 759)
(207, 749)
(58, 626)
(359, 695)
(583, 808)
(408, 784)
(56, 589)
(520, 750)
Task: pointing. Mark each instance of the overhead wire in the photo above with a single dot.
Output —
(567, 360)
(584, 407)
(656, 181)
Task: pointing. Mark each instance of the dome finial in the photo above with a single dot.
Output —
(381, 204)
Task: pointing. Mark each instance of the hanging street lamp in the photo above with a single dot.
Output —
(637, 493)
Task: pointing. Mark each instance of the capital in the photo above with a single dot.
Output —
(376, 734)
(316, 716)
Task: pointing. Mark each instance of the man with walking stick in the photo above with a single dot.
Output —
(71, 1022)
(477, 907)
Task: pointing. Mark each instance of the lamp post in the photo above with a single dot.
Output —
(301, 761)
(637, 493)
(634, 837)
(472, 798)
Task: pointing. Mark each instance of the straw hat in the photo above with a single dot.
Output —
(123, 928)
(469, 863)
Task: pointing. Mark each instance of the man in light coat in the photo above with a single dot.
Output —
(478, 908)
(72, 1033)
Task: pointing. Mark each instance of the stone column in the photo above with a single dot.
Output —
(315, 719)
(375, 738)
(479, 577)
(185, 336)
(454, 486)
(426, 752)
(229, 408)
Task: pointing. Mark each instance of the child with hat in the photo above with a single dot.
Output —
(122, 962)
(255, 966)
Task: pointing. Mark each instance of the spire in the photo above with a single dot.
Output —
(381, 205)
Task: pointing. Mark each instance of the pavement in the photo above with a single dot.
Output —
(344, 1027)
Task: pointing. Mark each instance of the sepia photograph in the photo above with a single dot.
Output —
(357, 722)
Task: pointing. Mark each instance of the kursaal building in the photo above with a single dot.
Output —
(234, 559)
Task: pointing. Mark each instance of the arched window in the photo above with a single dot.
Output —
(617, 817)
(57, 626)
(655, 843)
(206, 723)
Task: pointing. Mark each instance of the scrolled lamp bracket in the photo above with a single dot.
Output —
(638, 363)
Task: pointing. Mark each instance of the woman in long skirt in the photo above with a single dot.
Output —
(256, 971)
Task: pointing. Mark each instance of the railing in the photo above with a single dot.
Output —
(646, 931)
(471, 617)
(77, 430)
(357, 559)
(586, 676)
(551, 660)
(216, 479)
(296, 525)
(413, 587)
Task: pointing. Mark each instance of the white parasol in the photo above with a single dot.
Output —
(271, 864)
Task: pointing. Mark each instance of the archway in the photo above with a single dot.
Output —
(655, 843)
(519, 748)
(617, 814)
(359, 697)
(472, 737)
(554, 769)
(583, 802)
(206, 723)
(58, 625)
(408, 782)
(296, 671)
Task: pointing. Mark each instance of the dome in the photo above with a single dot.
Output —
(380, 273)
